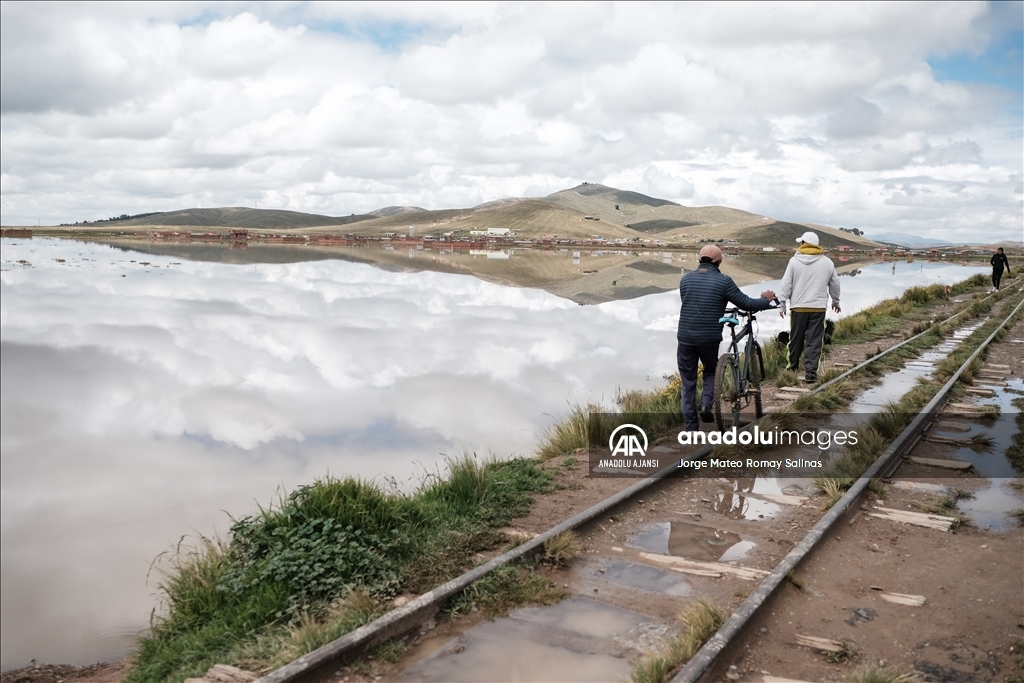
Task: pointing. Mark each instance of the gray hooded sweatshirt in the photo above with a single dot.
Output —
(809, 281)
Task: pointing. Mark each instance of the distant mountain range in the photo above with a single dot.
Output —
(583, 211)
(911, 241)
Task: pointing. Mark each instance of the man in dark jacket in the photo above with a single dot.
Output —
(998, 262)
(704, 293)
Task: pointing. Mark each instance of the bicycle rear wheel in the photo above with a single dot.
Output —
(727, 405)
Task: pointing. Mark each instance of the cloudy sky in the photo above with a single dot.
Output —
(882, 116)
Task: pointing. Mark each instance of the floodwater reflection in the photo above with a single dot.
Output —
(145, 397)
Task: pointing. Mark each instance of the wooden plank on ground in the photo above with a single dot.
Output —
(795, 390)
(937, 489)
(903, 599)
(783, 498)
(939, 522)
(977, 391)
(823, 644)
(955, 425)
(944, 464)
(962, 441)
(964, 407)
(714, 569)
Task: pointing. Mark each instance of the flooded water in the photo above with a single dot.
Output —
(576, 640)
(990, 507)
(148, 398)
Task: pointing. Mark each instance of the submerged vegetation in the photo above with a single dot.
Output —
(323, 561)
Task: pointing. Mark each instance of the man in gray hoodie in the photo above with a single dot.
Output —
(809, 281)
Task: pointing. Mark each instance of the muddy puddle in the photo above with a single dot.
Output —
(576, 640)
(692, 541)
(645, 578)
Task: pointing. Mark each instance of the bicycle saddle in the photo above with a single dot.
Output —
(729, 320)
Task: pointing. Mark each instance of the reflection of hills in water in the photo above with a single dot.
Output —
(691, 541)
(586, 277)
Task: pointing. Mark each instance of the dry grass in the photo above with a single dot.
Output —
(561, 549)
(700, 621)
(877, 674)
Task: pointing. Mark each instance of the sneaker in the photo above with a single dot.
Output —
(706, 415)
(810, 379)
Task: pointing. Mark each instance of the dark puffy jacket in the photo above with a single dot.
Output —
(705, 292)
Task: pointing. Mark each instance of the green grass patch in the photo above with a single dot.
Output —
(321, 561)
(506, 587)
(888, 317)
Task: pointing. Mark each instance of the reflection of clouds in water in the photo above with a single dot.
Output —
(272, 338)
(136, 409)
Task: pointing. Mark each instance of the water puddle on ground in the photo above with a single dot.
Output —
(645, 578)
(990, 508)
(731, 502)
(576, 640)
(691, 541)
(895, 384)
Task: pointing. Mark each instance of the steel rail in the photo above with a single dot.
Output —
(418, 610)
(706, 656)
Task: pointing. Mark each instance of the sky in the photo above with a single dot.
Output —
(888, 117)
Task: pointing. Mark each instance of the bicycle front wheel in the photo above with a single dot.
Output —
(727, 380)
(756, 366)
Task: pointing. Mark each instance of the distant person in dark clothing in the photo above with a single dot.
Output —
(704, 293)
(999, 262)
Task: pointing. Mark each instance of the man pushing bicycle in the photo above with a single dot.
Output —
(704, 294)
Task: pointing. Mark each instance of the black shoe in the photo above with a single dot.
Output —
(810, 379)
(706, 415)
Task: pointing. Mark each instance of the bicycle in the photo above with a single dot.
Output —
(737, 379)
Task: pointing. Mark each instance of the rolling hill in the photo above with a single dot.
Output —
(583, 211)
(237, 217)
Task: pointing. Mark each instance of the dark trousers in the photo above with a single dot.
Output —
(997, 275)
(686, 359)
(806, 334)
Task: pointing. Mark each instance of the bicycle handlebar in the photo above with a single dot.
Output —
(775, 303)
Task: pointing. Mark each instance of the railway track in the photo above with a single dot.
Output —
(623, 565)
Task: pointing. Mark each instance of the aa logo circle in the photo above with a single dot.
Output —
(626, 441)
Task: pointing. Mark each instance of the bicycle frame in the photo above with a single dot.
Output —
(748, 332)
(737, 368)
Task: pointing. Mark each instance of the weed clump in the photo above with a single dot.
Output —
(562, 548)
(700, 621)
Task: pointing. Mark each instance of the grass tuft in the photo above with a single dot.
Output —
(561, 549)
(876, 674)
(506, 587)
(700, 621)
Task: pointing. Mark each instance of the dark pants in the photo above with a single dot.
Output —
(806, 334)
(997, 275)
(686, 360)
